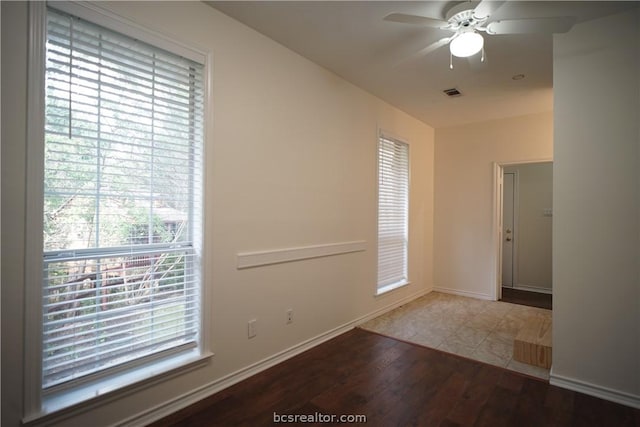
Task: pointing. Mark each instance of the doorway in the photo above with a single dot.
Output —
(509, 215)
(522, 232)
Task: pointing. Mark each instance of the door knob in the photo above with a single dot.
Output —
(508, 239)
(508, 230)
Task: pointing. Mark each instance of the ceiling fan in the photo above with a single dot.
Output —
(467, 20)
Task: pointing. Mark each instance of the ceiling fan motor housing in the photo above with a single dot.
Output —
(462, 16)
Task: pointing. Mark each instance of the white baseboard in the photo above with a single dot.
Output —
(595, 390)
(158, 412)
(531, 289)
(462, 293)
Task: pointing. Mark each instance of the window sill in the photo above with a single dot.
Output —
(392, 287)
(66, 403)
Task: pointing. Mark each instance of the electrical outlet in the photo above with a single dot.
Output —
(290, 315)
(252, 328)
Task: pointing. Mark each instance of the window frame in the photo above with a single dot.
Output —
(388, 136)
(39, 405)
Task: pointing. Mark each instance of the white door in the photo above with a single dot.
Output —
(508, 233)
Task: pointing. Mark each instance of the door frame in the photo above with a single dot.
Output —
(496, 226)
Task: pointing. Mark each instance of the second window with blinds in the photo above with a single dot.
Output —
(393, 213)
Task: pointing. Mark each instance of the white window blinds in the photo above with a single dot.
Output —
(393, 213)
(122, 201)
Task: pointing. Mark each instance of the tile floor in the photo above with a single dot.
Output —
(473, 328)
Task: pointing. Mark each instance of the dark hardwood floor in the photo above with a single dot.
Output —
(394, 383)
(532, 299)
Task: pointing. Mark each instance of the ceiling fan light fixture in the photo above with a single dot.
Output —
(466, 44)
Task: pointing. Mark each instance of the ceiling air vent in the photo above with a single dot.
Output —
(452, 92)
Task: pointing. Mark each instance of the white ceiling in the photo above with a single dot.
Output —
(352, 40)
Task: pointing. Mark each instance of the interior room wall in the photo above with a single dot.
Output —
(463, 241)
(596, 223)
(291, 161)
(535, 196)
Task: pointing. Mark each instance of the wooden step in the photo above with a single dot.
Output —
(532, 345)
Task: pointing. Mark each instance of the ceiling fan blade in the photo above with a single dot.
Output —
(425, 50)
(433, 46)
(486, 8)
(560, 24)
(416, 20)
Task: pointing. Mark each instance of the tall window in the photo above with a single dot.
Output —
(122, 202)
(393, 213)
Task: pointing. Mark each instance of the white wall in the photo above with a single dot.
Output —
(463, 241)
(596, 268)
(291, 161)
(535, 194)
